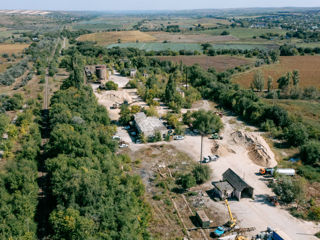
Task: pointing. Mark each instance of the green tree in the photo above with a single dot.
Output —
(310, 153)
(269, 83)
(206, 122)
(284, 81)
(258, 81)
(297, 134)
(170, 90)
(125, 114)
(201, 173)
(295, 77)
(288, 189)
(110, 85)
(274, 55)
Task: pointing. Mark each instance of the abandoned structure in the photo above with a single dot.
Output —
(203, 219)
(133, 73)
(149, 125)
(101, 72)
(233, 186)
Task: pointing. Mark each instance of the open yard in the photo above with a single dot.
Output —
(103, 38)
(220, 63)
(12, 48)
(307, 65)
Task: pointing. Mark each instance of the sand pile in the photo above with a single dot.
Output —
(258, 150)
(221, 149)
(111, 97)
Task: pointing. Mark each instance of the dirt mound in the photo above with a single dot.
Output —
(258, 150)
(112, 97)
(221, 150)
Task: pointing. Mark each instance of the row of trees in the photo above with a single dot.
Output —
(94, 198)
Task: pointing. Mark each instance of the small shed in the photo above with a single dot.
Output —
(241, 188)
(133, 73)
(223, 189)
(203, 219)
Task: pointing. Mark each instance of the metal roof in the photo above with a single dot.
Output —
(235, 181)
(148, 124)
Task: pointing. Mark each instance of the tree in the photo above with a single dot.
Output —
(125, 114)
(201, 173)
(258, 81)
(295, 77)
(297, 134)
(269, 84)
(171, 89)
(284, 81)
(206, 122)
(274, 55)
(310, 153)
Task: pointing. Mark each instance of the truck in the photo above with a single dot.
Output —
(280, 171)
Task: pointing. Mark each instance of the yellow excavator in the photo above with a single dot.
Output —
(228, 226)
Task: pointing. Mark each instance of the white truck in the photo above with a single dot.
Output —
(280, 171)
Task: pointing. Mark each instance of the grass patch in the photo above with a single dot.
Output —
(155, 46)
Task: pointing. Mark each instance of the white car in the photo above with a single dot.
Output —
(214, 158)
(116, 138)
(123, 145)
(206, 160)
(178, 137)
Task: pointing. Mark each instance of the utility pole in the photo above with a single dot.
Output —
(201, 148)
(187, 78)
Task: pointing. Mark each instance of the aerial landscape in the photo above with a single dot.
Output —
(168, 120)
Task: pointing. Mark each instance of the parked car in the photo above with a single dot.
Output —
(127, 127)
(133, 133)
(206, 160)
(210, 158)
(138, 141)
(178, 137)
(214, 157)
(115, 137)
(123, 145)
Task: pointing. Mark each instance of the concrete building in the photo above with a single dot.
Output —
(133, 73)
(203, 219)
(149, 125)
(241, 188)
(223, 189)
(101, 72)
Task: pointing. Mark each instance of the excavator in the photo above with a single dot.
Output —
(221, 230)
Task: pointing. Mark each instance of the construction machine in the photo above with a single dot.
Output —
(228, 226)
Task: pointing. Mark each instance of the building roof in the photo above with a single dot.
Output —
(203, 216)
(148, 124)
(235, 181)
(223, 186)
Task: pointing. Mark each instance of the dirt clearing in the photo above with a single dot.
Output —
(220, 63)
(308, 67)
(104, 38)
(12, 48)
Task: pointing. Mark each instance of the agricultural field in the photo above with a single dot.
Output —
(103, 38)
(308, 67)
(155, 46)
(190, 38)
(245, 34)
(220, 63)
(244, 46)
(12, 48)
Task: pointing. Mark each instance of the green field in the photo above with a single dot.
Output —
(244, 46)
(244, 33)
(154, 46)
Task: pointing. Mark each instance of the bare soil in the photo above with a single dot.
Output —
(220, 63)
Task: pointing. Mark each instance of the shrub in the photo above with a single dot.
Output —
(201, 173)
(314, 213)
(297, 134)
(310, 153)
(187, 181)
(110, 85)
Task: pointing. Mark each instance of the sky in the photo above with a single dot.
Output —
(112, 5)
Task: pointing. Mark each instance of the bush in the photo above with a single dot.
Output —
(310, 153)
(110, 85)
(201, 173)
(296, 135)
(187, 181)
(314, 213)
(287, 189)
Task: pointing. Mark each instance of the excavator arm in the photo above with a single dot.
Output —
(232, 219)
